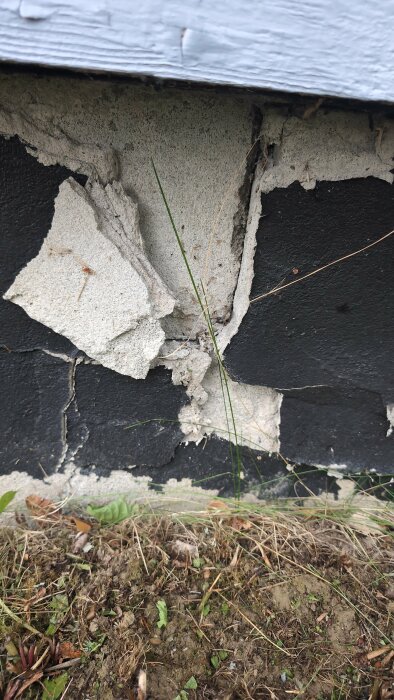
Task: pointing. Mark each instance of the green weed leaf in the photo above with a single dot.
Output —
(198, 562)
(5, 499)
(113, 512)
(215, 661)
(191, 684)
(163, 614)
(224, 608)
(90, 646)
(59, 607)
(54, 687)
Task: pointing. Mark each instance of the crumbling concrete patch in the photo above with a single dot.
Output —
(90, 486)
(189, 363)
(110, 131)
(331, 145)
(390, 418)
(246, 271)
(256, 412)
(82, 287)
(256, 409)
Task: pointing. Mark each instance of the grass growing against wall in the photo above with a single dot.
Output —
(201, 298)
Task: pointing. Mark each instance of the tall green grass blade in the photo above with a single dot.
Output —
(203, 303)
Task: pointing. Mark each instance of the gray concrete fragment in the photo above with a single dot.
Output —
(390, 418)
(199, 143)
(329, 146)
(256, 411)
(82, 285)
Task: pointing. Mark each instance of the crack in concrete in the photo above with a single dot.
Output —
(64, 426)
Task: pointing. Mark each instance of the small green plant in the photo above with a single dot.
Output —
(163, 614)
(191, 684)
(311, 598)
(91, 646)
(286, 675)
(198, 563)
(54, 687)
(6, 499)
(216, 659)
(59, 607)
(113, 512)
(225, 609)
(206, 610)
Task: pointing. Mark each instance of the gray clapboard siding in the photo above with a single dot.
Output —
(343, 48)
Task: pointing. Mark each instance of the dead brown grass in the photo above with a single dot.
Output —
(291, 604)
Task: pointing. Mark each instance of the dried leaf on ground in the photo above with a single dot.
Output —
(42, 507)
(68, 651)
(79, 524)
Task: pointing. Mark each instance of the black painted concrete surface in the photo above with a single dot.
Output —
(331, 336)
(327, 343)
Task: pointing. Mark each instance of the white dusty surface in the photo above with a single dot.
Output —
(256, 410)
(316, 47)
(82, 287)
(199, 142)
(73, 486)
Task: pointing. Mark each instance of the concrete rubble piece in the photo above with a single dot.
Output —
(92, 283)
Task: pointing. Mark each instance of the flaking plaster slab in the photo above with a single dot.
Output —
(256, 411)
(82, 287)
(330, 145)
(199, 143)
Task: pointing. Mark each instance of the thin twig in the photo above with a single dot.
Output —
(140, 549)
(320, 269)
(257, 629)
(65, 664)
(19, 620)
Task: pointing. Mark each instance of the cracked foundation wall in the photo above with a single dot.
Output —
(109, 372)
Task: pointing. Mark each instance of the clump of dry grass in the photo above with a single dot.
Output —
(263, 603)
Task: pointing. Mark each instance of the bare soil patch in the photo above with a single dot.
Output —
(293, 604)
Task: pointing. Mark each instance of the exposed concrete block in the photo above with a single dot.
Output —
(81, 285)
(256, 412)
(332, 145)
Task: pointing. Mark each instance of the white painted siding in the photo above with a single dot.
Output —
(342, 47)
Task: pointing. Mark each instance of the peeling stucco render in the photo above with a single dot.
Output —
(331, 145)
(109, 275)
(104, 297)
(109, 132)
